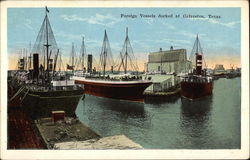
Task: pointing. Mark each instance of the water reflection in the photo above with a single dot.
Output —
(194, 124)
(196, 109)
(132, 109)
(208, 123)
(113, 117)
(161, 100)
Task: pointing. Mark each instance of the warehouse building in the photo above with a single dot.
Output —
(170, 61)
(163, 66)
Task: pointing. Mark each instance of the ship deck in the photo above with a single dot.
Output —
(109, 81)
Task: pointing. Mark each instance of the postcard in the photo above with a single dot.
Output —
(124, 79)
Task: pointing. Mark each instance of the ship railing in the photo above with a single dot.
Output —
(117, 79)
(197, 79)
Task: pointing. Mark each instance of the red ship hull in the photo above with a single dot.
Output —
(123, 91)
(194, 90)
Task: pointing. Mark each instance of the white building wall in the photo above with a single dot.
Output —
(161, 82)
(170, 61)
(167, 67)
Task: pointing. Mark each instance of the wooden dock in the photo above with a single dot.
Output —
(161, 94)
(21, 131)
(111, 142)
(161, 97)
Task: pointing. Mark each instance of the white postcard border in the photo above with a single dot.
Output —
(130, 154)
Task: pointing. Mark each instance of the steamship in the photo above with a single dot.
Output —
(122, 86)
(45, 90)
(197, 84)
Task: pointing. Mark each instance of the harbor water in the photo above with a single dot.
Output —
(172, 123)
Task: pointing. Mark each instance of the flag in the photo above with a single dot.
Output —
(70, 67)
(46, 9)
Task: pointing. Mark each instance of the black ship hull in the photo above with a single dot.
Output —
(39, 104)
(122, 90)
(195, 90)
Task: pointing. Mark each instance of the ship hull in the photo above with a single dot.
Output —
(122, 91)
(41, 104)
(195, 90)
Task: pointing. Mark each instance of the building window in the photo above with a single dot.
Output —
(159, 68)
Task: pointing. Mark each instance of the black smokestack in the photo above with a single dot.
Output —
(198, 63)
(35, 65)
(90, 59)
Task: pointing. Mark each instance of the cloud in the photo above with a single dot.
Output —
(214, 21)
(148, 20)
(27, 23)
(228, 24)
(183, 34)
(169, 26)
(176, 41)
(105, 20)
(68, 36)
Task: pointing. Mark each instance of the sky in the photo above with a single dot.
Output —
(219, 35)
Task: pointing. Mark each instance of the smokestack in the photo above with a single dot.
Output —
(90, 59)
(35, 65)
(198, 63)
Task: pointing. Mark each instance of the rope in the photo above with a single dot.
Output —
(25, 95)
(17, 93)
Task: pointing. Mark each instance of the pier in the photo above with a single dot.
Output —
(71, 129)
(161, 94)
(111, 142)
(70, 133)
(21, 131)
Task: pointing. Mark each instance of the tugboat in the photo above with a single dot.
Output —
(123, 87)
(45, 92)
(197, 84)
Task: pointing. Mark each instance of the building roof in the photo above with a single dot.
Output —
(166, 56)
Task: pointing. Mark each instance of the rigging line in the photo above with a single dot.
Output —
(97, 64)
(122, 63)
(79, 60)
(17, 93)
(38, 37)
(25, 95)
(135, 65)
(192, 51)
(52, 34)
(62, 64)
(132, 65)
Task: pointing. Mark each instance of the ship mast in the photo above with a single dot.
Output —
(47, 45)
(127, 55)
(126, 51)
(29, 67)
(105, 53)
(106, 56)
(83, 50)
(73, 56)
